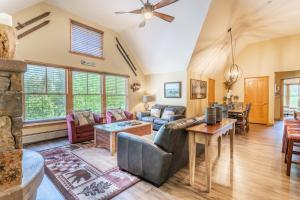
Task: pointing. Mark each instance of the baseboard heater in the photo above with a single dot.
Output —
(39, 137)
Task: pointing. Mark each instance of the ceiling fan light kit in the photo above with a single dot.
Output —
(148, 11)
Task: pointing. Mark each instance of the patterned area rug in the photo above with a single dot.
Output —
(79, 173)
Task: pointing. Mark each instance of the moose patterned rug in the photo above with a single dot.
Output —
(84, 172)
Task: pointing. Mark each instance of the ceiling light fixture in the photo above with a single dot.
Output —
(148, 13)
(233, 73)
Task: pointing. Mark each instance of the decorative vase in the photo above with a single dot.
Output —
(210, 116)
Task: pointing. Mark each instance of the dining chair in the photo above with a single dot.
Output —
(288, 124)
(293, 139)
(243, 119)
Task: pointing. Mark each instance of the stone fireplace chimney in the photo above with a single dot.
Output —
(11, 123)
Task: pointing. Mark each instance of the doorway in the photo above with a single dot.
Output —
(291, 96)
(257, 93)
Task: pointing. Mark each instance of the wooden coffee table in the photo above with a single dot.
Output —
(106, 134)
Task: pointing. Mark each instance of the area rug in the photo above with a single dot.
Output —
(84, 172)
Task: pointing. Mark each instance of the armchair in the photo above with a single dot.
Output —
(156, 159)
(111, 119)
(83, 133)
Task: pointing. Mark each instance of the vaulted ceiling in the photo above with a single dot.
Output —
(166, 47)
(158, 47)
(251, 22)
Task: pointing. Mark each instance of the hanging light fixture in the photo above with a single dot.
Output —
(233, 73)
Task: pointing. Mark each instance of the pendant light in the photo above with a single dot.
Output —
(233, 73)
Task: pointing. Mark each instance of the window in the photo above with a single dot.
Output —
(292, 95)
(47, 98)
(86, 40)
(116, 92)
(44, 93)
(86, 91)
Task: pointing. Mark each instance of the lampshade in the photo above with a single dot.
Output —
(5, 19)
(146, 98)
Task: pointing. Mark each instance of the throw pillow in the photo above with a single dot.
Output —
(84, 118)
(118, 114)
(155, 112)
(167, 114)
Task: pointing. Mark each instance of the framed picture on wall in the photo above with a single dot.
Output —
(172, 90)
(198, 89)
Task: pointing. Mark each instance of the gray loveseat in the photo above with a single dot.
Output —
(159, 122)
(156, 158)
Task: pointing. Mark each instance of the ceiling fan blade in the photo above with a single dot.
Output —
(142, 24)
(142, 2)
(138, 11)
(165, 17)
(164, 3)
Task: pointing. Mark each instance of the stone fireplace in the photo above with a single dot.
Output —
(11, 123)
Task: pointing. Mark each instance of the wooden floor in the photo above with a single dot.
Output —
(256, 172)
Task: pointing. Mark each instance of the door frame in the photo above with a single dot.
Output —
(268, 94)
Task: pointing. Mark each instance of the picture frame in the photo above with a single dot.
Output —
(198, 89)
(172, 90)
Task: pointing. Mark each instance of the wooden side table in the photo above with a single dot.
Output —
(203, 134)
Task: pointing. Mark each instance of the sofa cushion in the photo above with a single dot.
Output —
(148, 119)
(155, 112)
(159, 106)
(160, 121)
(167, 136)
(179, 110)
(168, 113)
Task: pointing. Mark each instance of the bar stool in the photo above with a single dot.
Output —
(291, 123)
(293, 137)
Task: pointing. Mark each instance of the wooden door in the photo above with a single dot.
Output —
(211, 91)
(257, 93)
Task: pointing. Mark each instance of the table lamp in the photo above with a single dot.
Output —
(146, 99)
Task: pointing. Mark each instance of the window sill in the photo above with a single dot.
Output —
(44, 122)
(86, 55)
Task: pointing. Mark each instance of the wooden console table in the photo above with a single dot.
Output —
(204, 134)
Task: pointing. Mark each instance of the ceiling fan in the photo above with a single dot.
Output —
(148, 11)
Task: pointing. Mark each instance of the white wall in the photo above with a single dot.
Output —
(155, 87)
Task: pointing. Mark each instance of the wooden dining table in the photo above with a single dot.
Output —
(204, 134)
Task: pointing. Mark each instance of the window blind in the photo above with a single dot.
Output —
(116, 92)
(86, 40)
(45, 93)
(86, 91)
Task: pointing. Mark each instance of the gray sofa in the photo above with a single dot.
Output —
(158, 122)
(156, 158)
